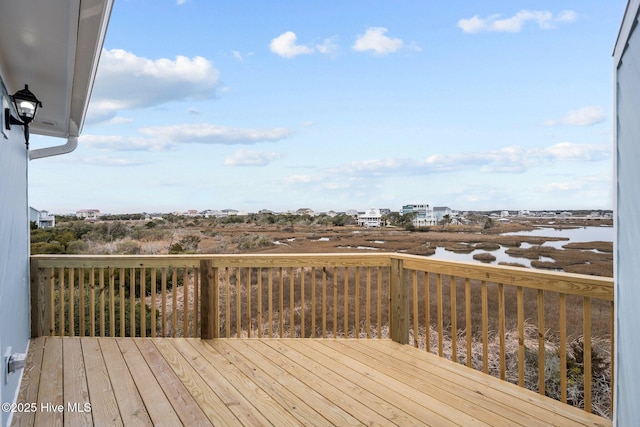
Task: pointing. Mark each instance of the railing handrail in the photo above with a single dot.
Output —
(569, 283)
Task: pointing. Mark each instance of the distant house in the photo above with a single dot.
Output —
(352, 212)
(229, 212)
(424, 214)
(211, 212)
(370, 218)
(42, 218)
(305, 211)
(88, 214)
(440, 211)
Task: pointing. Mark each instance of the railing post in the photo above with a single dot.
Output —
(40, 301)
(209, 325)
(399, 303)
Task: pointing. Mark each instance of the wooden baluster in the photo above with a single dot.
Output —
(292, 307)
(541, 386)
(502, 331)
(143, 306)
(248, 291)
(227, 300)
(356, 320)
(440, 321)
(185, 302)
(454, 319)
(270, 289)
(563, 348)
(335, 302)
(102, 289)
(112, 302)
(81, 307)
(324, 302)
(302, 303)
(132, 302)
(379, 305)
(163, 286)
(414, 281)
(520, 304)
(154, 290)
(259, 301)
(174, 299)
(346, 303)
(427, 311)
(467, 301)
(368, 307)
(588, 373)
(238, 303)
(72, 320)
(196, 307)
(485, 328)
(92, 302)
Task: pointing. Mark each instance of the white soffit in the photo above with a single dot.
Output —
(54, 47)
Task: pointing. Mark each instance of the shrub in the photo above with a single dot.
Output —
(128, 247)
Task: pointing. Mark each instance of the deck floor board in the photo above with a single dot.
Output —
(173, 381)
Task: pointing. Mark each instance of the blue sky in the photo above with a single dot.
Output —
(344, 105)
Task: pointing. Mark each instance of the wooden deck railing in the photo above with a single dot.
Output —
(535, 328)
(115, 296)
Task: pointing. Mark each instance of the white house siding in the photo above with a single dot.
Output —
(627, 269)
(14, 254)
(371, 218)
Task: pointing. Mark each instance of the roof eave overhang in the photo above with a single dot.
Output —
(54, 47)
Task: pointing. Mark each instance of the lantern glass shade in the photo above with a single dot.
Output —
(26, 110)
(26, 104)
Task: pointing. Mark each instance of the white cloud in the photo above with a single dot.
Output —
(213, 134)
(570, 151)
(328, 46)
(127, 81)
(285, 46)
(585, 116)
(120, 143)
(505, 160)
(374, 39)
(162, 138)
(251, 158)
(110, 161)
(301, 179)
(514, 24)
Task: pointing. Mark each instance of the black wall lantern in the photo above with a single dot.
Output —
(26, 105)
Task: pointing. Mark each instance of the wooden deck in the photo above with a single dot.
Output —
(173, 381)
